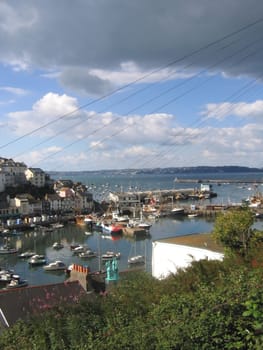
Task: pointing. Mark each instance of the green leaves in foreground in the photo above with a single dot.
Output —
(211, 305)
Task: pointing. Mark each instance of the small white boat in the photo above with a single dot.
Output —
(88, 233)
(57, 225)
(87, 254)
(137, 259)
(5, 276)
(58, 245)
(36, 260)
(110, 255)
(177, 211)
(55, 266)
(16, 282)
(106, 237)
(27, 254)
(6, 249)
(144, 225)
(193, 215)
(79, 249)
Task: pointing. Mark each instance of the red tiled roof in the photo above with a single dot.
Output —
(28, 301)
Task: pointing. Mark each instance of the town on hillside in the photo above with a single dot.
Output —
(29, 194)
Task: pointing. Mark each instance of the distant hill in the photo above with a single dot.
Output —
(170, 170)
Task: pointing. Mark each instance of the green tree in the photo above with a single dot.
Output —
(233, 229)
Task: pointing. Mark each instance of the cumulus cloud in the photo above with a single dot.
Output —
(51, 108)
(241, 109)
(91, 48)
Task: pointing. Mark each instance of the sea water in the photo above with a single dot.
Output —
(166, 227)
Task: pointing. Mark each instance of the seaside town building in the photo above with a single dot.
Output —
(67, 196)
(11, 173)
(36, 176)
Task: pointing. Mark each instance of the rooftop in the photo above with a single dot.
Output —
(200, 240)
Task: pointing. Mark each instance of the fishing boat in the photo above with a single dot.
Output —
(119, 218)
(57, 265)
(112, 228)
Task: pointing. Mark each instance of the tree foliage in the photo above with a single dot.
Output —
(210, 305)
(234, 230)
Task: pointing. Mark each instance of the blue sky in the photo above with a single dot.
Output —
(90, 85)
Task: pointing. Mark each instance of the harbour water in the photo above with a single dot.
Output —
(42, 241)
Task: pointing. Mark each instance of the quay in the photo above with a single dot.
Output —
(219, 181)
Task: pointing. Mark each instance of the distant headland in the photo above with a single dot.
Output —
(166, 171)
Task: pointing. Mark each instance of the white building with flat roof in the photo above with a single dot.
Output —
(167, 258)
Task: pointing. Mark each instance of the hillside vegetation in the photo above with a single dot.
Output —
(210, 305)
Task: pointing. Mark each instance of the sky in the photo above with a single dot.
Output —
(117, 84)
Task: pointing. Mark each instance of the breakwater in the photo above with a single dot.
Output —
(219, 181)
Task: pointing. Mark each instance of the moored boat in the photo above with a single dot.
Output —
(177, 211)
(58, 245)
(137, 259)
(7, 249)
(17, 282)
(87, 254)
(5, 277)
(36, 260)
(55, 266)
(79, 249)
(26, 255)
(110, 255)
(112, 228)
(192, 215)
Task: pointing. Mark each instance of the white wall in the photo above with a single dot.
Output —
(168, 257)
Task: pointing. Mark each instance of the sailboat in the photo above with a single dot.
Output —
(136, 259)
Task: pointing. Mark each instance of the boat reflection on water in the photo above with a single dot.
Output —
(73, 236)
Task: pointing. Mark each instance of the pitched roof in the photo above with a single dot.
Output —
(24, 302)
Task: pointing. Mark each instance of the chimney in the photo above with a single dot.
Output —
(80, 273)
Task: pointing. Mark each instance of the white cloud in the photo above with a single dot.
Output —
(14, 90)
(51, 110)
(242, 109)
(109, 140)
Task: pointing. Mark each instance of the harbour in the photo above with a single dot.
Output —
(40, 239)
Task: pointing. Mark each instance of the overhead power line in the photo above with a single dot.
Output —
(143, 77)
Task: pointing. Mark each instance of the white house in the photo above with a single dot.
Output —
(36, 176)
(124, 200)
(167, 258)
(14, 172)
